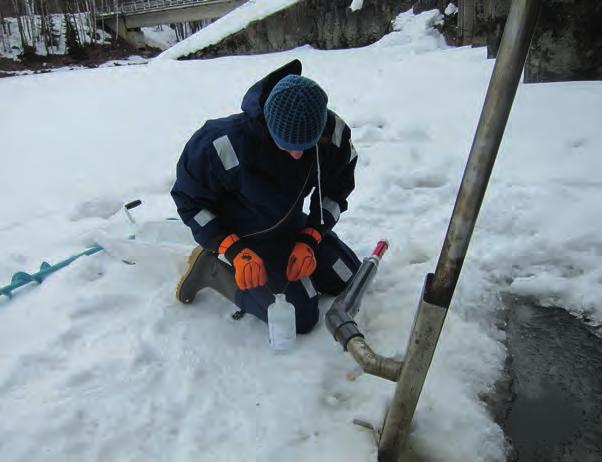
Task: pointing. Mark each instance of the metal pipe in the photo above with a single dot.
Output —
(342, 326)
(353, 296)
(428, 324)
(339, 318)
(371, 363)
(496, 109)
(439, 288)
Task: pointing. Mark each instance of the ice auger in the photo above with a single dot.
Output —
(22, 278)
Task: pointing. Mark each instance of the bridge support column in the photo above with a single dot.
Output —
(117, 25)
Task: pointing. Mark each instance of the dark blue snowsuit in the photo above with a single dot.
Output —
(232, 178)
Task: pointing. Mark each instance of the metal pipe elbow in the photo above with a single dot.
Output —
(372, 363)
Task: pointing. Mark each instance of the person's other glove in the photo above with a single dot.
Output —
(249, 270)
(302, 261)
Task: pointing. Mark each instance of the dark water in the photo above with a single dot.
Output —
(556, 367)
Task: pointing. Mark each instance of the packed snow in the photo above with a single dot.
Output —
(227, 25)
(101, 363)
(161, 36)
(356, 5)
(450, 9)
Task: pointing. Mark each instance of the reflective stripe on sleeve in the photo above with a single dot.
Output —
(332, 207)
(342, 270)
(226, 152)
(309, 287)
(204, 217)
(337, 135)
(353, 153)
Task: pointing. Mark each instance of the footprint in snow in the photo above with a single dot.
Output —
(102, 207)
(103, 304)
(422, 180)
(414, 136)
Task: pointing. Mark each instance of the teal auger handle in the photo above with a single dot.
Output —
(21, 278)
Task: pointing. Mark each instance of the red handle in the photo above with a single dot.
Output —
(380, 248)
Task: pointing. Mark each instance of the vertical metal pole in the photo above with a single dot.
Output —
(439, 288)
(496, 109)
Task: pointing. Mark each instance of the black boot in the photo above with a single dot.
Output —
(206, 270)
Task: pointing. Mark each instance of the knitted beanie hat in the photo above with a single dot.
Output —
(295, 113)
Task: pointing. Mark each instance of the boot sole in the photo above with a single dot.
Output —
(192, 261)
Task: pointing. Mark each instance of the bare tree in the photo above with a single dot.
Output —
(20, 25)
(4, 33)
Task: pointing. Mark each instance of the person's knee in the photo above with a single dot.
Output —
(335, 287)
(335, 278)
(307, 316)
(337, 264)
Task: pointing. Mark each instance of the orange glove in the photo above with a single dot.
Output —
(302, 261)
(249, 270)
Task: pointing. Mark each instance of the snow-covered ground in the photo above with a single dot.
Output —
(101, 363)
(162, 36)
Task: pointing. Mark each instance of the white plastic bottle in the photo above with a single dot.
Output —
(282, 328)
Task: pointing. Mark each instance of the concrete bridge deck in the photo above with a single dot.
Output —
(128, 17)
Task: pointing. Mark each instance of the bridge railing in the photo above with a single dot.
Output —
(146, 5)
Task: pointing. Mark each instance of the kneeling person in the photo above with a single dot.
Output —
(240, 187)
